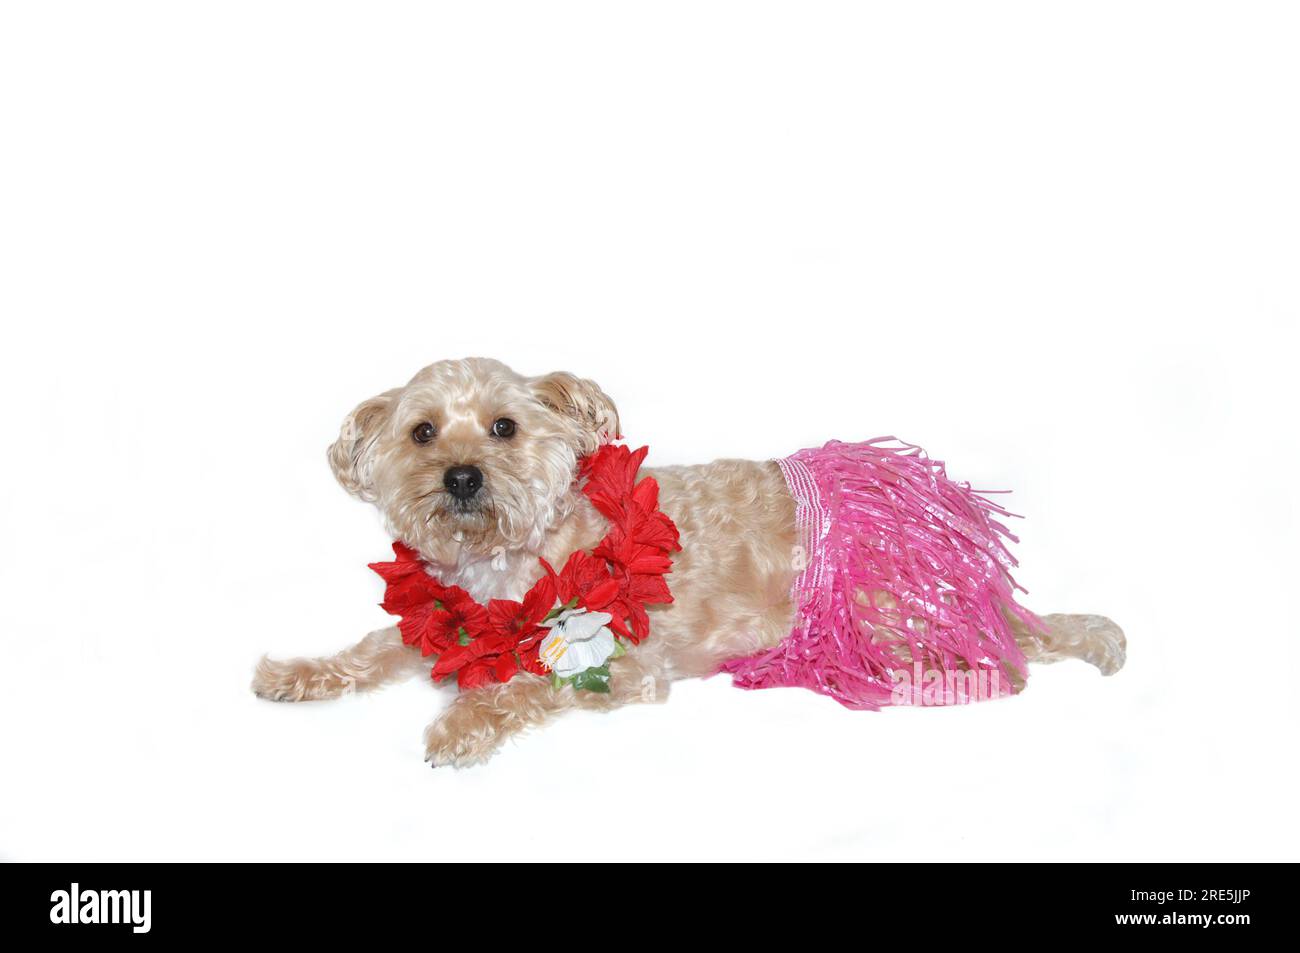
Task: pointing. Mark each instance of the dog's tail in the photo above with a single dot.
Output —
(1093, 638)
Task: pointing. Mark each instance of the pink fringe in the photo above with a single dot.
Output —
(883, 518)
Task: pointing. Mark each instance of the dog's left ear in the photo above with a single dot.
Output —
(583, 402)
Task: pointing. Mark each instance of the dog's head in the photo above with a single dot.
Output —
(471, 455)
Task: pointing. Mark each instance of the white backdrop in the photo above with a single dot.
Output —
(1057, 246)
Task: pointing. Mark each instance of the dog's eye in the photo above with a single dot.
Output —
(503, 427)
(423, 433)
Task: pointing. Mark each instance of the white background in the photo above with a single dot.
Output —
(1056, 244)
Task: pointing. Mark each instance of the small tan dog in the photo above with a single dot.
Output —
(474, 466)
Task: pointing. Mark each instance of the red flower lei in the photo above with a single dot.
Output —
(621, 576)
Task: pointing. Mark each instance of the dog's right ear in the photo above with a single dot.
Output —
(352, 455)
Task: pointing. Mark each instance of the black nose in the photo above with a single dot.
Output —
(463, 482)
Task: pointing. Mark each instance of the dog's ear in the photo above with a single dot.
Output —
(351, 456)
(583, 402)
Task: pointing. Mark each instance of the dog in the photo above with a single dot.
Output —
(475, 467)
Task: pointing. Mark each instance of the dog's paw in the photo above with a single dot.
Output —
(463, 736)
(1092, 638)
(296, 680)
(281, 681)
(1105, 645)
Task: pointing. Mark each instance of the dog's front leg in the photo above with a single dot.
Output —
(479, 721)
(378, 658)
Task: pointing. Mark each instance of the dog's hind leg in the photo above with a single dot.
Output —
(1093, 638)
(378, 658)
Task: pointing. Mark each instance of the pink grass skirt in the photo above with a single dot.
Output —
(905, 589)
